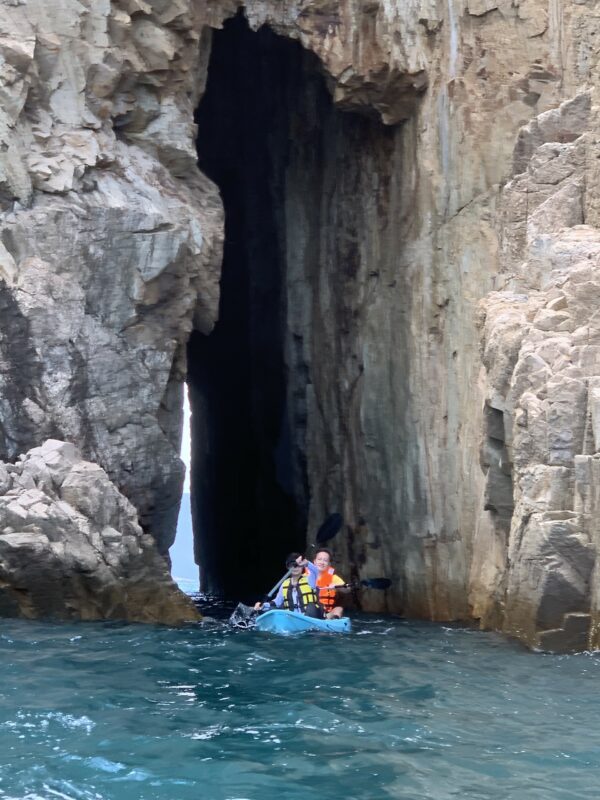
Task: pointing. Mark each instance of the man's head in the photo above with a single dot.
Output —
(292, 564)
(322, 559)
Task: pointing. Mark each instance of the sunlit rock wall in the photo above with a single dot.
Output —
(109, 238)
(540, 341)
(110, 253)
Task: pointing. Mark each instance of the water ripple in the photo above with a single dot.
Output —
(395, 710)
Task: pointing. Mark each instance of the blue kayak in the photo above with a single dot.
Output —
(279, 621)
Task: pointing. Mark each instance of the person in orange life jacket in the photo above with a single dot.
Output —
(326, 580)
(298, 591)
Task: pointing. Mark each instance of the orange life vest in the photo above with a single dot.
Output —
(326, 596)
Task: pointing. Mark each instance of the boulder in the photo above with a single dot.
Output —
(71, 546)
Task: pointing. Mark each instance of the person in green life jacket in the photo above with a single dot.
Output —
(298, 591)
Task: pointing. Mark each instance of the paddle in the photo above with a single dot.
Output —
(376, 583)
(368, 583)
(243, 616)
(328, 529)
(278, 584)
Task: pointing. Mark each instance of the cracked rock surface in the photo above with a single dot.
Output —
(541, 340)
(71, 546)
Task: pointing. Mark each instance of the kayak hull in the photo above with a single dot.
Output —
(286, 622)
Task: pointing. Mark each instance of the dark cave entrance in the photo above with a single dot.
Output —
(275, 389)
(249, 495)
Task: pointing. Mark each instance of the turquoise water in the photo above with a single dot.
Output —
(395, 710)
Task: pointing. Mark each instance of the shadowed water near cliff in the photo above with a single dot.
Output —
(394, 710)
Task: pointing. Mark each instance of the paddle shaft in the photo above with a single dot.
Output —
(277, 585)
(364, 584)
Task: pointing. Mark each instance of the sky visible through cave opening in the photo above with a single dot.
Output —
(183, 568)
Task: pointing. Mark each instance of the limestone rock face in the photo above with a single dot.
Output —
(457, 437)
(71, 546)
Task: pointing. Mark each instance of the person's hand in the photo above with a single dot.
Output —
(258, 606)
(301, 561)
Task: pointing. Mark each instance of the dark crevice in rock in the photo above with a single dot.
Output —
(495, 461)
(20, 374)
(245, 513)
(276, 388)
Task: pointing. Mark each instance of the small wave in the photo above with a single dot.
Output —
(177, 714)
(29, 720)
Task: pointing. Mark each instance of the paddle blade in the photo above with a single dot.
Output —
(376, 583)
(329, 528)
(243, 616)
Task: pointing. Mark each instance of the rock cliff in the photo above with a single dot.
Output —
(432, 189)
(71, 546)
(540, 353)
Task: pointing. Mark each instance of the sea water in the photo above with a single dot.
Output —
(394, 710)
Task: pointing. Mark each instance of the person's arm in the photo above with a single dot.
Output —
(311, 577)
(279, 598)
(312, 570)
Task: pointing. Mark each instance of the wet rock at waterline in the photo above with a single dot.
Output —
(71, 546)
(422, 153)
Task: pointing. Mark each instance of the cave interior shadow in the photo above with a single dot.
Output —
(306, 192)
(247, 513)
